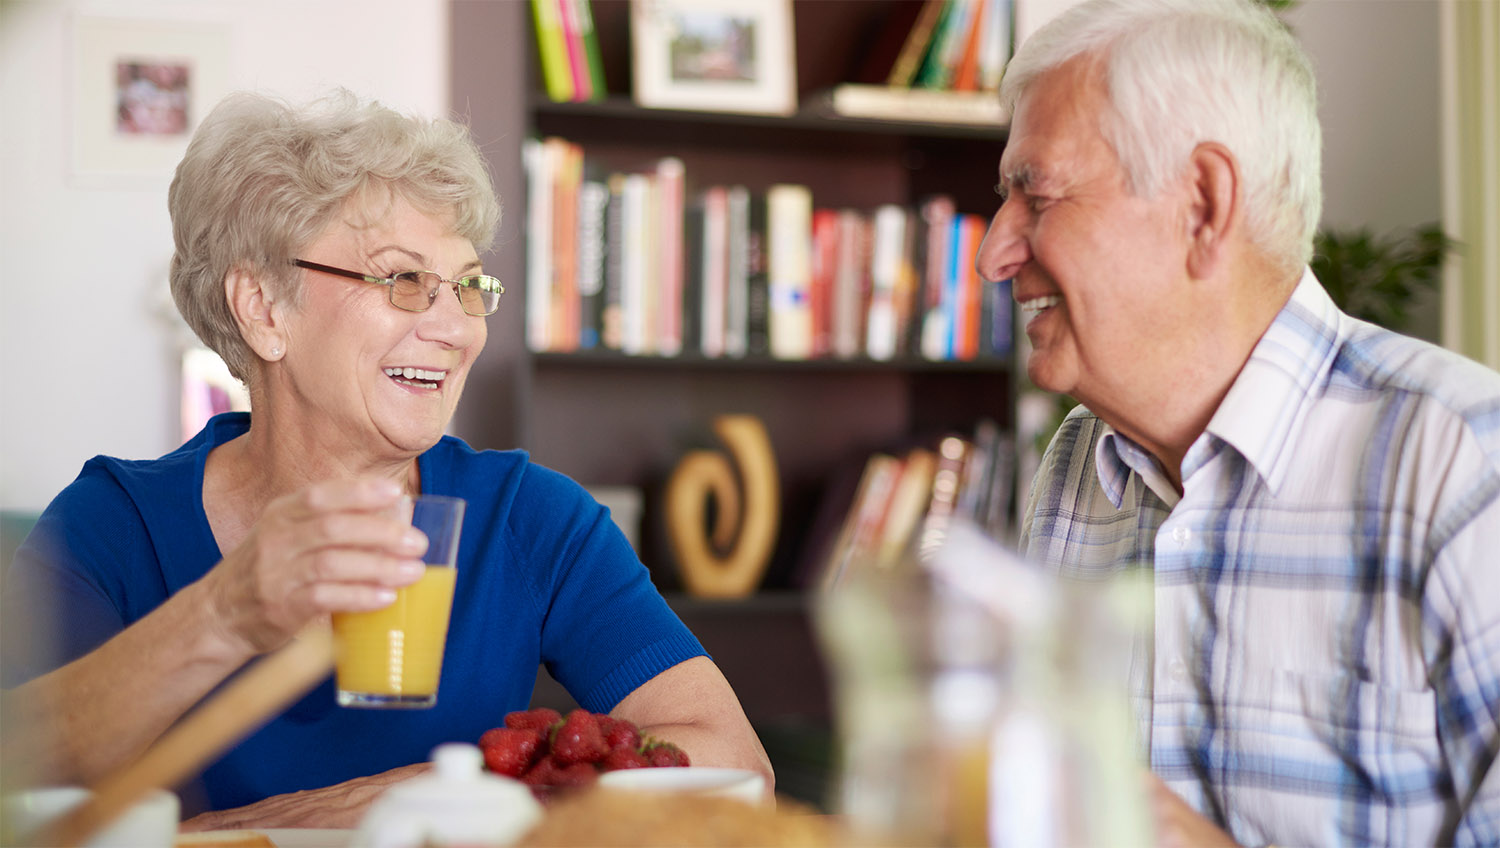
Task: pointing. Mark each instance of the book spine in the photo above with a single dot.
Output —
(671, 191)
(937, 214)
(568, 170)
(593, 61)
(593, 206)
(885, 267)
(757, 280)
(538, 245)
(578, 70)
(825, 260)
(634, 267)
(551, 51)
(611, 318)
(693, 249)
(715, 270)
(966, 75)
(994, 51)
(848, 295)
(789, 223)
(737, 267)
(910, 58)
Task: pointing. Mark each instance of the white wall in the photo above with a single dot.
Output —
(89, 366)
(99, 376)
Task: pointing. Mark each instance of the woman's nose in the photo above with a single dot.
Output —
(1005, 248)
(446, 322)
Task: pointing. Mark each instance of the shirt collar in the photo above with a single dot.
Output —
(1264, 409)
(1269, 401)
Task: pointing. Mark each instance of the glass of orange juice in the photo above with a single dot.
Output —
(392, 657)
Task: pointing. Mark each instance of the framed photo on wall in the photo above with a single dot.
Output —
(139, 89)
(714, 55)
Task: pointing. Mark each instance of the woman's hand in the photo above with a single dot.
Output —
(337, 546)
(342, 805)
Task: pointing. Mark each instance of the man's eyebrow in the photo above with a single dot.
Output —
(1024, 177)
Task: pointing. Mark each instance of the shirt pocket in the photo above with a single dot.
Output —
(1342, 760)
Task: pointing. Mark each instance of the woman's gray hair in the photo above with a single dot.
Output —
(262, 179)
(1182, 72)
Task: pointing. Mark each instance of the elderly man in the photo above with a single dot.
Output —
(1317, 499)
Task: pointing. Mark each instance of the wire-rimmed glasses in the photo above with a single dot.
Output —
(416, 291)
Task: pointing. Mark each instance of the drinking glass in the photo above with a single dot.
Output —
(392, 657)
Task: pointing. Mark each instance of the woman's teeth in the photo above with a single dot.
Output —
(1037, 304)
(416, 377)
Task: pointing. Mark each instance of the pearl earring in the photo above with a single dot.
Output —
(275, 351)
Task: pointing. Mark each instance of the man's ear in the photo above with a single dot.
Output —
(1214, 213)
(256, 311)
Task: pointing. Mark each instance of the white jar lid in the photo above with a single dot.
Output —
(458, 804)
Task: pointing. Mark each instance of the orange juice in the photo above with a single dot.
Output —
(392, 656)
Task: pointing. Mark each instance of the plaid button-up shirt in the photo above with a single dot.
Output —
(1324, 662)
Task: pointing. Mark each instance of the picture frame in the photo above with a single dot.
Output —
(139, 88)
(714, 55)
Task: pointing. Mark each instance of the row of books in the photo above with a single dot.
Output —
(904, 502)
(568, 48)
(948, 67)
(633, 262)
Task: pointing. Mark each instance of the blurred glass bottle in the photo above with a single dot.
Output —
(975, 705)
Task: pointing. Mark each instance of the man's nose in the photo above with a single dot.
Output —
(1005, 248)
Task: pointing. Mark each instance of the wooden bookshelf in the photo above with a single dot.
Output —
(611, 419)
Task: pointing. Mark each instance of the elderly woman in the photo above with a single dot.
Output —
(330, 256)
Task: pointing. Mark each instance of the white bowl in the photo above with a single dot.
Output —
(150, 823)
(740, 784)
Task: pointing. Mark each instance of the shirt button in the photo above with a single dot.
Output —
(1181, 535)
(1178, 669)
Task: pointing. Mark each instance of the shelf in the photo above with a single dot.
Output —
(611, 359)
(814, 116)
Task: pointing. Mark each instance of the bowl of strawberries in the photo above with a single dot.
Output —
(553, 753)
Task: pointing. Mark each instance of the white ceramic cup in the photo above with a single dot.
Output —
(150, 823)
(739, 784)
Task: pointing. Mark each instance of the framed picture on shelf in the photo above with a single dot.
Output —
(714, 55)
(139, 89)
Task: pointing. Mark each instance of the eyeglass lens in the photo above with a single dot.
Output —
(416, 290)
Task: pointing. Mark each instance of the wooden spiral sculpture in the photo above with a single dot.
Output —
(729, 564)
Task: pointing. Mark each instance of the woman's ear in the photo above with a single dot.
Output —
(1215, 213)
(257, 312)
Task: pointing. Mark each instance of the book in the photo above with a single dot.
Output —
(883, 102)
(593, 247)
(552, 52)
(937, 215)
(578, 72)
(691, 316)
(909, 499)
(737, 268)
(885, 267)
(757, 278)
(947, 47)
(670, 191)
(538, 245)
(611, 315)
(825, 260)
(714, 271)
(904, 71)
(994, 48)
(635, 206)
(789, 269)
(584, 15)
(966, 73)
(851, 285)
(566, 162)
(860, 533)
(952, 453)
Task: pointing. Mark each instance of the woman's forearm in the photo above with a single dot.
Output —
(79, 722)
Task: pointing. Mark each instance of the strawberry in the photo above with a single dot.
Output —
(578, 740)
(620, 733)
(623, 758)
(665, 754)
(508, 750)
(543, 773)
(540, 719)
(577, 774)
